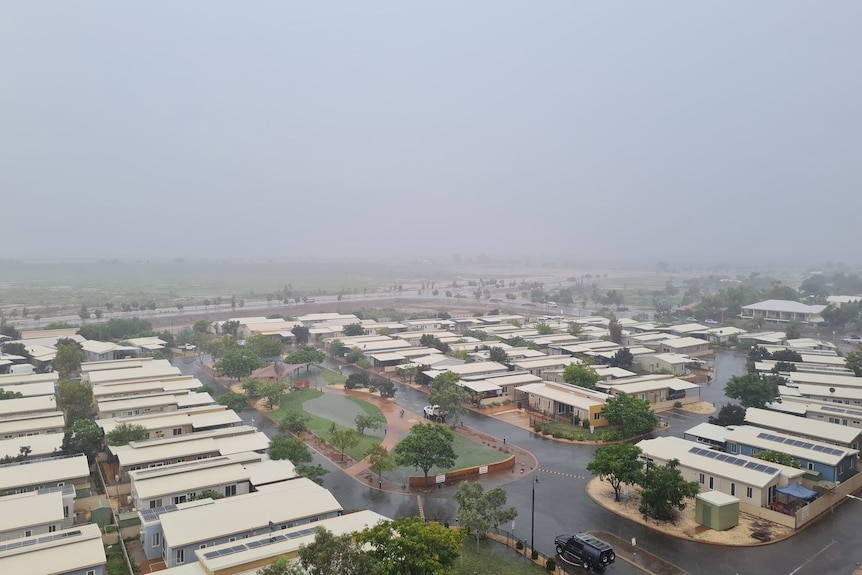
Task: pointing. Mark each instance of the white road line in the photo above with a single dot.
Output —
(810, 559)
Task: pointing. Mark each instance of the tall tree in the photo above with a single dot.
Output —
(75, 399)
(615, 329)
(853, 362)
(68, 358)
(479, 510)
(664, 490)
(300, 334)
(410, 546)
(334, 348)
(632, 416)
(364, 421)
(344, 439)
(617, 464)
(792, 331)
(353, 329)
(83, 436)
(754, 389)
(329, 554)
(237, 362)
(729, 414)
(499, 355)
(233, 400)
(581, 375)
(450, 396)
(305, 354)
(623, 358)
(263, 346)
(291, 448)
(272, 391)
(125, 433)
(426, 446)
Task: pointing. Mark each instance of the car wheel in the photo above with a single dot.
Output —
(586, 566)
(559, 549)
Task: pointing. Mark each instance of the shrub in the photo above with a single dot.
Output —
(557, 435)
(678, 404)
(534, 555)
(580, 437)
(611, 435)
(586, 423)
(576, 420)
(551, 565)
(537, 428)
(519, 545)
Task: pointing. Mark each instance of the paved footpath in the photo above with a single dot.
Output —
(641, 559)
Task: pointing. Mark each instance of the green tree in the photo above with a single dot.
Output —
(83, 436)
(353, 329)
(426, 446)
(853, 362)
(282, 566)
(294, 421)
(410, 546)
(291, 448)
(300, 334)
(450, 396)
(237, 362)
(581, 376)
(344, 439)
(263, 346)
(117, 329)
(544, 329)
(305, 354)
(252, 387)
(632, 416)
(575, 329)
(334, 348)
(125, 433)
(615, 329)
(664, 490)
(208, 494)
(729, 414)
(386, 388)
(499, 355)
(10, 394)
(778, 457)
(792, 331)
(363, 422)
(315, 473)
(754, 389)
(272, 391)
(75, 399)
(379, 459)
(479, 510)
(233, 400)
(201, 326)
(68, 359)
(329, 554)
(617, 464)
(623, 358)
(356, 380)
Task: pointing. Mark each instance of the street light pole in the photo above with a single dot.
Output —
(533, 520)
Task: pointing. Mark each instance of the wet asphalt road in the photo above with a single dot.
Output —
(829, 546)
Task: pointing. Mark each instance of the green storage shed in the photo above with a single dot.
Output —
(717, 510)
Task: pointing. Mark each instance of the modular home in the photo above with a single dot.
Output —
(74, 551)
(37, 512)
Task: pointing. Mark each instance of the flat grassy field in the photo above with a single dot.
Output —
(469, 455)
(493, 557)
(332, 376)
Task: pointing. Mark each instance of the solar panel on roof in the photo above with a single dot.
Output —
(819, 448)
(807, 445)
(211, 554)
(238, 548)
(722, 457)
(253, 544)
(771, 469)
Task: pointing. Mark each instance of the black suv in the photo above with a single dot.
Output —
(585, 550)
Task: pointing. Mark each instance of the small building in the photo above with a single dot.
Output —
(32, 424)
(690, 346)
(716, 510)
(708, 434)
(783, 311)
(825, 431)
(538, 366)
(35, 474)
(41, 445)
(74, 551)
(560, 401)
(673, 363)
(661, 391)
(36, 513)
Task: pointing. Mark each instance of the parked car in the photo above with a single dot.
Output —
(856, 340)
(434, 413)
(188, 347)
(585, 550)
(710, 322)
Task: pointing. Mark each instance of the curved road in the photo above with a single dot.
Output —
(562, 505)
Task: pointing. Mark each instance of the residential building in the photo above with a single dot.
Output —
(691, 346)
(561, 401)
(783, 311)
(74, 551)
(36, 513)
(32, 424)
(825, 431)
(34, 474)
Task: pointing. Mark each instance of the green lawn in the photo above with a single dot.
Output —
(340, 417)
(469, 455)
(505, 561)
(332, 376)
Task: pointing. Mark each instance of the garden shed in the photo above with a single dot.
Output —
(717, 510)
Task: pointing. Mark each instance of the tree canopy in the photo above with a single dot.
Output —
(282, 566)
(778, 457)
(729, 414)
(300, 334)
(853, 362)
(754, 389)
(125, 433)
(75, 399)
(68, 358)
(10, 394)
(263, 346)
(664, 490)
(426, 446)
(410, 546)
(353, 329)
(233, 400)
(305, 354)
(329, 554)
(379, 459)
(479, 510)
(291, 448)
(344, 439)
(617, 464)
(83, 436)
(238, 362)
(581, 376)
(117, 329)
(450, 396)
(623, 358)
(632, 416)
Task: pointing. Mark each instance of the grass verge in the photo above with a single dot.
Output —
(505, 561)
(331, 377)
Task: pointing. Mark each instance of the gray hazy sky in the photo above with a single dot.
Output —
(722, 131)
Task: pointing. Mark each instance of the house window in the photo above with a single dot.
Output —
(229, 490)
(731, 447)
(52, 528)
(231, 540)
(179, 499)
(702, 479)
(28, 533)
(156, 539)
(66, 511)
(181, 556)
(91, 572)
(597, 415)
(733, 489)
(203, 546)
(749, 492)
(810, 466)
(711, 482)
(178, 431)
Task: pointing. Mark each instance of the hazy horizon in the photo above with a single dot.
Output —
(692, 133)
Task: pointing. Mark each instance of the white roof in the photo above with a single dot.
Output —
(40, 445)
(387, 356)
(131, 403)
(708, 431)
(683, 342)
(787, 306)
(612, 372)
(9, 379)
(68, 551)
(514, 379)
(547, 361)
(50, 470)
(479, 386)
(27, 405)
(30, 509)
(130, 456)
(843, 393)
(35, 389)
(794, 425)
(687, 327)
(560, 395)
(717, 498)
(673, 358)
(190, 480)
(193, 399)
(801, 448)
(32, 422)
(270, 471)
(284, 502)
(141, 373)
(825, 379)
(478, 367)
(127, 363)
(649, 385)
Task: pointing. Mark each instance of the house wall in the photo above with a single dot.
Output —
(759, 497)
(654, 364)
(839, 473)
(241, 488)
(172, 554)
(34, 530)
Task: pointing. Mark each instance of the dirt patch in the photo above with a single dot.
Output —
(750, 531)
(701, 407)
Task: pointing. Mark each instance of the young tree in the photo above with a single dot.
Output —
(479, 510)
(410, 546)
(450, 396)
(68, 358)
(334, 348)
(623, 358)
(581, 376)
(379, 459)
(575, 329)
(353, 329)
(792, 331)
(329, 554)
(544, 329)
(125, 433)
(426, 446)
(664, 490)
(853, 362)
(386, 388)
(272, 391)
(294, 421)
(291, 448)
(632, 416)
(344, 439)
(300, 334)
(237, 362)
(364, 422)
(233, 400)
(617, 464)
(729, 414)
(282, 566)
(754, 389)
(778, 457)
(75, 399)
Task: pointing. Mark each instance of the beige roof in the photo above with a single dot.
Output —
(188, 481)
(30, 509)
(268, 471)
(32, 422)
(9, 379)
(67, 551)
(140, 373)
(649, 385)
(10, 407)
(40, 445)
(284, 502)
(801, 448)
(560, 395)
(683, 342)
(794, 425)
(130, 457)
(48, 471)
(89, 366)
(36, 389)
(478, 367)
